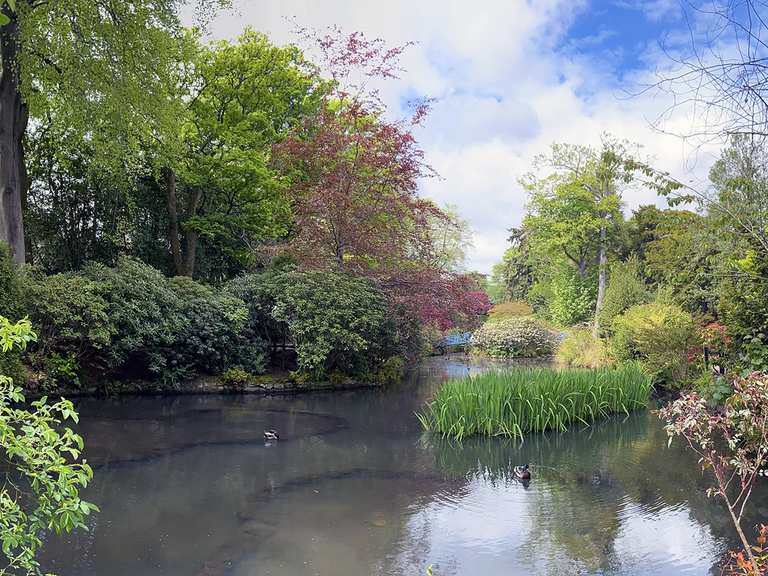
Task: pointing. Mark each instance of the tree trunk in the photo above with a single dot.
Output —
(582, 267)
(191, 236)
(173, 220)
(602, 265)
(190, 252)
(13, 121)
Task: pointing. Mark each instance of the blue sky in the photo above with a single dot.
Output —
(509, 78)
(620, 32)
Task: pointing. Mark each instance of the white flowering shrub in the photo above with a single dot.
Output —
(522, 337)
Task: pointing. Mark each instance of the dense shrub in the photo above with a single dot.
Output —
(523, 337)
(511, 309)
(145, 312)
(581, 349)
(337, 323)
(132, 321)
(58, 371)
(71, 315)
(625, 289)
(743, 307)
(661, 336)
(259, 292)
(212, 333)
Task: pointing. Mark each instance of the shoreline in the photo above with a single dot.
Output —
(208, 385)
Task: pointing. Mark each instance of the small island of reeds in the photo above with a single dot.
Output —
(521, 400)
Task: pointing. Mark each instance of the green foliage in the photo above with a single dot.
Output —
(72, 315)
(390, 371)
(11, 287)
(512, 277)
(337, 322)
(235, 379)
(144, 310)
(625, 289)
(259, 292)
(753, 354)
(683, 255)
(60, 372)
(582, 349)
(12, 307)
(714, 390)
(248, 95)
(661, 336)
(521, 400)
(40, 491)
(212, 332)
(131, 320)
(522, 337)
(572, 299)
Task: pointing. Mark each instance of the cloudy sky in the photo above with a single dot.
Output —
(510, 77)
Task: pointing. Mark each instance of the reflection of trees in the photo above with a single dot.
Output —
(201, 476)
(587, 481)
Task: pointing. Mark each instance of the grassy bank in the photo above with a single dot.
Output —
(521, 400)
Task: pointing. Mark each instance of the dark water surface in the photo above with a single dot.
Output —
(187, 487)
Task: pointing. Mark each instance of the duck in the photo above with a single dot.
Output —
(522, 472)
(271, 435)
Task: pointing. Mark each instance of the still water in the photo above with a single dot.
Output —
(187, 487)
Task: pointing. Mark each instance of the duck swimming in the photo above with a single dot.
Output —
(522, 472)
(271, 435)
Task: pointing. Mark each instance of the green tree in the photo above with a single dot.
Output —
(625, 289)
(222, 187)
(42, 472)
(101, 66)
(684, 256)
(575, 212)
(512, 277)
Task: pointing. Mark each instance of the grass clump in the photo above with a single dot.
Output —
(581, 349)
(509, 309)
(521, 400)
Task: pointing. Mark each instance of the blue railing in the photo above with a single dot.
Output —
(457, 339)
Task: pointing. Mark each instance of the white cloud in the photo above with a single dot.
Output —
(504, 94)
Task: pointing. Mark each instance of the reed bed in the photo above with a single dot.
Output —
(521, 400)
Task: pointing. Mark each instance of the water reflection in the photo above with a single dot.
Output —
(188, 487)
(606, 499)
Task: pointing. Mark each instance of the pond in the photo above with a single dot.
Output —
(187, 487)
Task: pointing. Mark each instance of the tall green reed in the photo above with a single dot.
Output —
(521, 400)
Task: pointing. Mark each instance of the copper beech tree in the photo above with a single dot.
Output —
(732, 443)
(353, 178)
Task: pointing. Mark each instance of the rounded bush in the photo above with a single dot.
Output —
(660, 335)
(522, 337)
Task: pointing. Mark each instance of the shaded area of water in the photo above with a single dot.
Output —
(187, 487)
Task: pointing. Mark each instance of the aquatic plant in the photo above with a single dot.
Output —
(520, 400)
